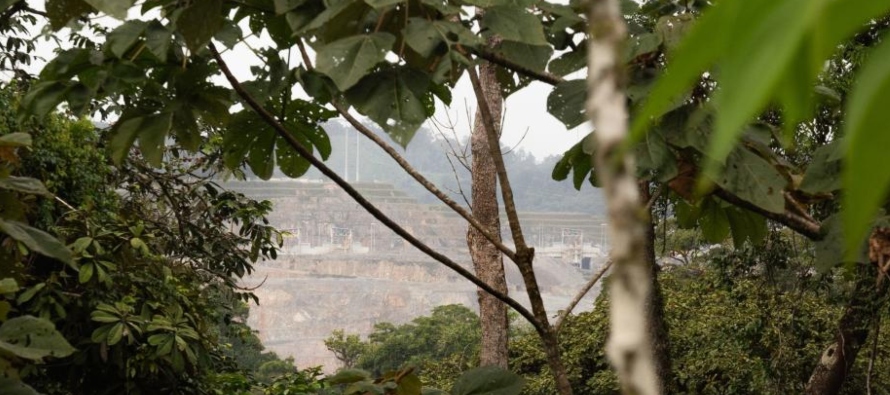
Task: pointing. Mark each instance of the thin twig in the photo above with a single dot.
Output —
(359, 198)
(568, 310)
(805, 226)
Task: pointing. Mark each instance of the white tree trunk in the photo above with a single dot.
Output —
(630, 345)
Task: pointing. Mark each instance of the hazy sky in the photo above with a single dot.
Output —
(527, 119)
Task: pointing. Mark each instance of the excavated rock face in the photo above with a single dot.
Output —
(339, 269)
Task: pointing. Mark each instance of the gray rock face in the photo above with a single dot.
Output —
(339, 269)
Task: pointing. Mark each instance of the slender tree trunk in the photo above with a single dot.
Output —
(487, 260)
(658, 330)
(867, 299)
(630, 345)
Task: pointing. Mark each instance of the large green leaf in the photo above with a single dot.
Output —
(60, 12)
(124, 36)
(823, 174)
(751, 71)
(514, 24)
(16, 139)
(746, 226)
(488, 380)
(534, 57)
(347, 60)
(398, 100)
(866, 176)
(152, 135)
(754, 180)
(713, 221)
(10, 386)
(24, 185)
(424, 36)
(566, 103)
(347, 376)
(115, 8)
(199, 22)
(33, 338)
(37, 240)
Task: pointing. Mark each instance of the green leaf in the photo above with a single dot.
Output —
(11, 386)
(687, 215)
(424, 36)
(382, 4)
(289, 161)
(37, 240)
(121, 39)
(347, 60)
(114, 8)
(24, 185)
(33, 338)
(514, 24)
(569, 62)
(199, 22)
(673, 28)
(713, 221)
(746, 226)
(754, 180)
(43, 97)
(260, 158)
(16, 139)
(283, 6)
(30, 293)
(115, 333)
(158, 39)
(8, 286)
(409, 385)
(752, 69)
(152, 135)
(566, 103)
(866, 176)
(86, 272)
(488, 380)
(641, 45)
(398, 100)
(534, 57)
(60, 12)
(347, 376)
(823, 175)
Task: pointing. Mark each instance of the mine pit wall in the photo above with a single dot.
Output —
(305, 298)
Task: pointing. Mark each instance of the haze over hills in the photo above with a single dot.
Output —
(429, 153)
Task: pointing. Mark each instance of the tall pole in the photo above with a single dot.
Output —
(357, 156)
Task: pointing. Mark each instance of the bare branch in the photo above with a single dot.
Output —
(587, 287)
(499, 60)
(429, 186)
(359, 198)
(807, 227)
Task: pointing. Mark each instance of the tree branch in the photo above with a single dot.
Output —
(807, 227)
(355, 195)
(568, 310)
(429, 186)
(543, 76)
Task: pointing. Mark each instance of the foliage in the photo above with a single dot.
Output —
(155, 262)
(347, 348)
(744, 321)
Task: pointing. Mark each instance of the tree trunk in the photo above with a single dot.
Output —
(658, 330)
(630, 345)
(487, 260)
(853, 328)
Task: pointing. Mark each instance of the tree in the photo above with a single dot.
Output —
(347, 348)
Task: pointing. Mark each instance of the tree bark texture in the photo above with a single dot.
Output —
(866, 300)
(658, 329)
(487, 259)
(630, 345)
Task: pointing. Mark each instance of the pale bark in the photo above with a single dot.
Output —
(487, 259)
(630, 341)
